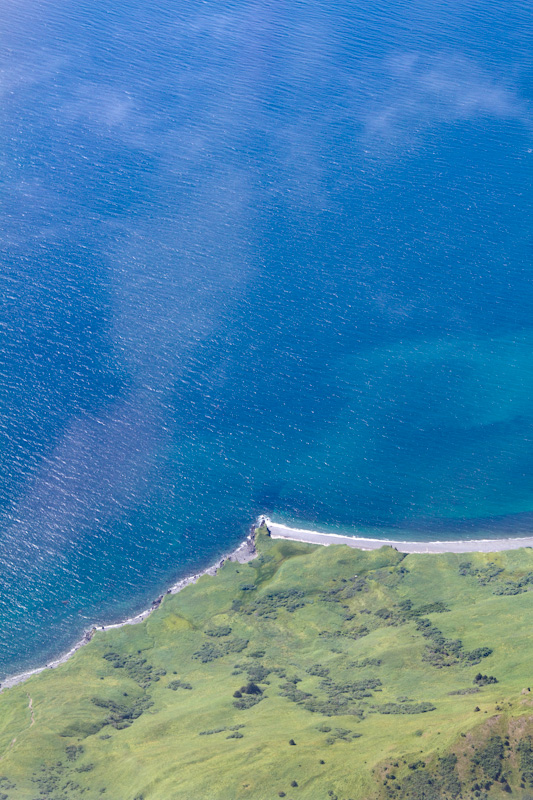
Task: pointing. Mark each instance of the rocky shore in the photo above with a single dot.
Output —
(243, 553)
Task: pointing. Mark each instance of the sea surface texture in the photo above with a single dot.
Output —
(256, 256)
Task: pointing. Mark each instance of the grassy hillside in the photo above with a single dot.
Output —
(311, 672)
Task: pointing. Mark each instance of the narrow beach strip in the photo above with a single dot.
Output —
(244, 552)
(279, 531)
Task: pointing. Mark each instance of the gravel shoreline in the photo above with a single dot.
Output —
(243, 553)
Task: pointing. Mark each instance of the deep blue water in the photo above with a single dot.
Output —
(256, 257)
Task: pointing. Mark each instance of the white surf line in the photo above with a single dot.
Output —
(244, 552)
(280, 531)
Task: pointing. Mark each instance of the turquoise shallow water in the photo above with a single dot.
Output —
(254, 258)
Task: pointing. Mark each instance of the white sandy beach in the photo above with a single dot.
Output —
(280, 531)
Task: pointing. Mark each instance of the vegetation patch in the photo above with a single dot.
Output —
(404, 708)
(269, 604)
(177, 684)
(443, 652)
(317, 651)
(484, 680)
(122, 715)
(136, 668)
(210, 651)
(218, 630)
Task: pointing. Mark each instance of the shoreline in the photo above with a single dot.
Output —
(242, 554)
(280, 531)
(246, 552)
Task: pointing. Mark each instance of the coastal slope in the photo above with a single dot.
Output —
(310, 672)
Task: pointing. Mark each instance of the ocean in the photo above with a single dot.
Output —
(256, 257)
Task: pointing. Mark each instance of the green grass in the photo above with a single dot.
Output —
(297, 612)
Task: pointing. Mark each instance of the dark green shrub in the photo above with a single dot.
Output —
(257, 672)
(421, 785)
(483, 680)
(431, 608)
(248, 701)
(136, 668)
(121, 715)
(74, 751)
(317, 669)
(443, 652)
(218, 630)
(269, 604)
(366, 662)
(404, 708)
(209, 651)
(525, 751)
(174, 685)
(475, 656)
(251, 688)
(490, 757)
(211, 732)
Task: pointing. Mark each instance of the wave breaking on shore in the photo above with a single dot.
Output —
(243, 553)
(280, 531)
